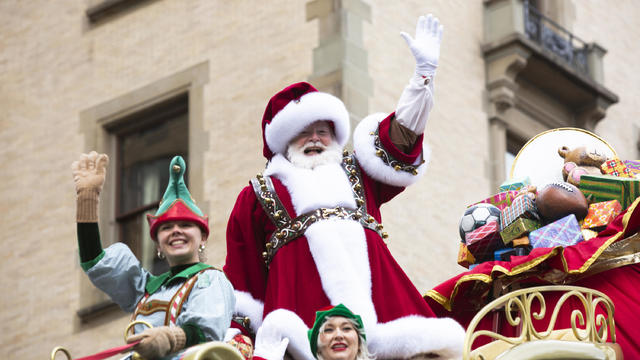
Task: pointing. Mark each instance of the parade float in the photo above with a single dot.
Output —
(552, 256)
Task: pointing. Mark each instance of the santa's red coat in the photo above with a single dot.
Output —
(338, 261)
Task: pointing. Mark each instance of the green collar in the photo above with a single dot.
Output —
(155, 282)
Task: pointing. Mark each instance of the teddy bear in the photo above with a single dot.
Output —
(580, 161)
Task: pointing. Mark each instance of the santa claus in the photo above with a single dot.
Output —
(307, 232)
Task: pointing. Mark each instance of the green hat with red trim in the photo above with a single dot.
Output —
(177, 203)
(322, 315)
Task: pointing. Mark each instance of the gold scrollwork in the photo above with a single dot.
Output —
(592, 316)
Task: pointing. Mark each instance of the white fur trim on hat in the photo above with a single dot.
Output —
(297, 115)
(412, 335)
(363, 145)
(246, 305)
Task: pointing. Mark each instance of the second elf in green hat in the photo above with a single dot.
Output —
(190, 304)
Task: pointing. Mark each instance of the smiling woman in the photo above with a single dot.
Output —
(191, 303)
(338, 334)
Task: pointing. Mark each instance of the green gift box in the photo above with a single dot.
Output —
(518, 228)
(515, 184)
(599, 188)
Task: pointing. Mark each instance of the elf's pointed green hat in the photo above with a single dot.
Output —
(177, 203)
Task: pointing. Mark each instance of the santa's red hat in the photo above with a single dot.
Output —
(294, 108)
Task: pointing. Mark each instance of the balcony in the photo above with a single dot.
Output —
(539, 74)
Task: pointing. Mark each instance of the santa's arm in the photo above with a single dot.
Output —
(416, 100)
(244, 265)
(390, 148)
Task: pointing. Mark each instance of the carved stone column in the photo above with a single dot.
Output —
(340, 64)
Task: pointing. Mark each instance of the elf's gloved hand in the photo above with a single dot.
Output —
(270, 344)
(426, 45)
(159, 341)
(88, 175)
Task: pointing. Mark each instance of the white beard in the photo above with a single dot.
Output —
(331, 154)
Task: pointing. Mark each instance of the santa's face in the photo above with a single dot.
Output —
(338, 339)
(314, 139)
(314, 146)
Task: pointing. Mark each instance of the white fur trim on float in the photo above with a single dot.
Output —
(364, 148)
(246, 305)
(297, 115)
(292, 327)
(412, 335)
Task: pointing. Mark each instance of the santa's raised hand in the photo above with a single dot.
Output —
(425, 47)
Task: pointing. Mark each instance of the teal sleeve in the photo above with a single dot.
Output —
(88, 241)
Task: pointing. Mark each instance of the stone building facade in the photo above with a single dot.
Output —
(150, 78)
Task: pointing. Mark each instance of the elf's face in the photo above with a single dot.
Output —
(179, 241)
(338, 339)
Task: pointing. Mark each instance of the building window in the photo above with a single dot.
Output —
(141, 131)
(146, 142)
(514, 144)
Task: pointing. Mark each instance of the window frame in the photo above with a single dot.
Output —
(95, 125)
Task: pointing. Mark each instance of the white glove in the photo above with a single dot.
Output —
(426, 45)
(270, 344)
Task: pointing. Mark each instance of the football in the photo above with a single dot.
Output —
(477, 215)
(559, 199)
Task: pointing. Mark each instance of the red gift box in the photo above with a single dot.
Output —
(601, 214)
(483, 241)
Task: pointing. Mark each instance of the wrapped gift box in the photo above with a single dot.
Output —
(600, 188)
(515, 184)
(465, 258)
(601, 214)
(521, 241)
(616, 167)
(563, 232)
(483, 241)
(506, 253)
(521, 207)
(633, 166)
(519, 228)
(500, 200)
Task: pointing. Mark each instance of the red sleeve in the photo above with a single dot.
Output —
(244, 265)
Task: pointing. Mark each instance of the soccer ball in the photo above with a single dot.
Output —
(476, 216)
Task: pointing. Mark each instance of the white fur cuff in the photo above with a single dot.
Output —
(246, 305)
(363, 144)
